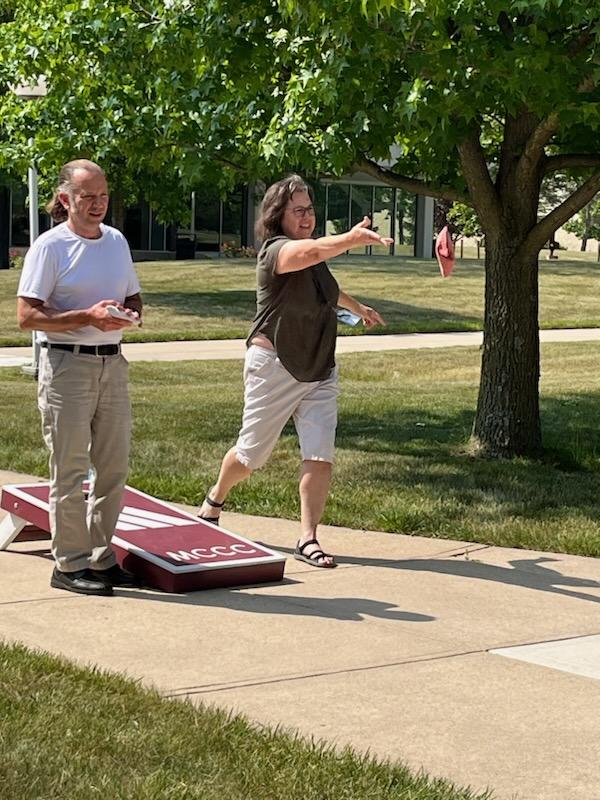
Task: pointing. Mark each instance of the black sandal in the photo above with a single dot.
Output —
(213, 503)
(315, 557)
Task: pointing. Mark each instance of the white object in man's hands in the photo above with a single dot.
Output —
(116, 312)
(347, 317)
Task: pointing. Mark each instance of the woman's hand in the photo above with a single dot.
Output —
(370, 317)
(361, 234)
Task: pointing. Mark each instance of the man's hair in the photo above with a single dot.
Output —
(65, 182)
(273, 205)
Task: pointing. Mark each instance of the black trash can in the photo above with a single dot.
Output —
(185, 247)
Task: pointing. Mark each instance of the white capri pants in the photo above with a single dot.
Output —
(271, 397)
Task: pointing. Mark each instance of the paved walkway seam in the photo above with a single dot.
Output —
(211, 688)
(37, 600)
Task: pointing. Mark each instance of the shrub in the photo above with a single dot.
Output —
(15, 258)
(231, 250)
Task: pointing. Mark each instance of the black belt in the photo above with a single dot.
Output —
(86, 349)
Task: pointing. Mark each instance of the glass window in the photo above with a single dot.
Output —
(232, 218)
(320, 192)
(337, 208)
(361, 202)
(134, 227)
(157, 234)
(207, 218)
(361, 205)
(383, 214)
(19, 235)
(405, 222)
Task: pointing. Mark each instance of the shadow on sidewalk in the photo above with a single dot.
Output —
(343, 609)
(528, 573)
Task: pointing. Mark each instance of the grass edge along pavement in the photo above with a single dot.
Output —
(71, 732)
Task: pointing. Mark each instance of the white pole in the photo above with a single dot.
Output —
(34, 227)
(34, 231)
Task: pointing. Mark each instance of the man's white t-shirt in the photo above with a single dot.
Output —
(69, 272)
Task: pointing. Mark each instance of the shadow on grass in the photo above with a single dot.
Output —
(394, 430)
(403, 265)
(412, 316)
(569, 421)
(570, 268)
(431, 446)
(242, 304)
(232, 302)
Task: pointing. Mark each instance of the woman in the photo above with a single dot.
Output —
(290, 368)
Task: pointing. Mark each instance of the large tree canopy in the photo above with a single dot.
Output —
(478, 101)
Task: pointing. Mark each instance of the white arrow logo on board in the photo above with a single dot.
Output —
(137, 519)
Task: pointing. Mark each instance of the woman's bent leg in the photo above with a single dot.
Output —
(231, 473)
(271, 395)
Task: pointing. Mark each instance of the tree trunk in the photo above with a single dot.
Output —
(587, 224)
(507, 422)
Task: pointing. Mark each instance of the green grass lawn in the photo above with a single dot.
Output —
(214, 299)
(405, 418)
(72, 734)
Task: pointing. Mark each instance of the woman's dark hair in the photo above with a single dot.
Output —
(273, 205)
(55, 208)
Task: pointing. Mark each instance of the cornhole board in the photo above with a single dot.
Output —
(166, 547)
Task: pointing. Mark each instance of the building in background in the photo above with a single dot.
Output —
(215, 223)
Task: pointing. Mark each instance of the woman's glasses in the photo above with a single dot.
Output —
(303, 211)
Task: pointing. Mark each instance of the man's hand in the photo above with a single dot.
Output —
(361, 234)
(101, 319)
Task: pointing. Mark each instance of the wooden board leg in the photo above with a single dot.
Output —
(10, 527)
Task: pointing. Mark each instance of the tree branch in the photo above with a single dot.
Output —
(585, 38)
(149, 15)
(477, 176)
(545, 130)
(228, 163)
(552, 221)
(414, 185)
(540, 137)
(569, 160)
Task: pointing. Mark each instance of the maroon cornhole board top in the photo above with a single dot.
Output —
(169, 548)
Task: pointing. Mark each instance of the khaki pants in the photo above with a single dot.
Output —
(86, 419)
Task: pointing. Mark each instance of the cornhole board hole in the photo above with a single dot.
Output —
(166, 547)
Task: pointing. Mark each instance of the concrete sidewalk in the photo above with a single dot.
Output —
(235, 348)
(399, 651)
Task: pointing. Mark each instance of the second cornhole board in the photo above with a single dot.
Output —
(168, 548)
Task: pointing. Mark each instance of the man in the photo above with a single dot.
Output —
(71, 274)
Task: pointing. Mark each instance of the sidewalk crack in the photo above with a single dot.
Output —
(187, 691)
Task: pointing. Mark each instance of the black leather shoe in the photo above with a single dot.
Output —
(116, 576)
(81, 581)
